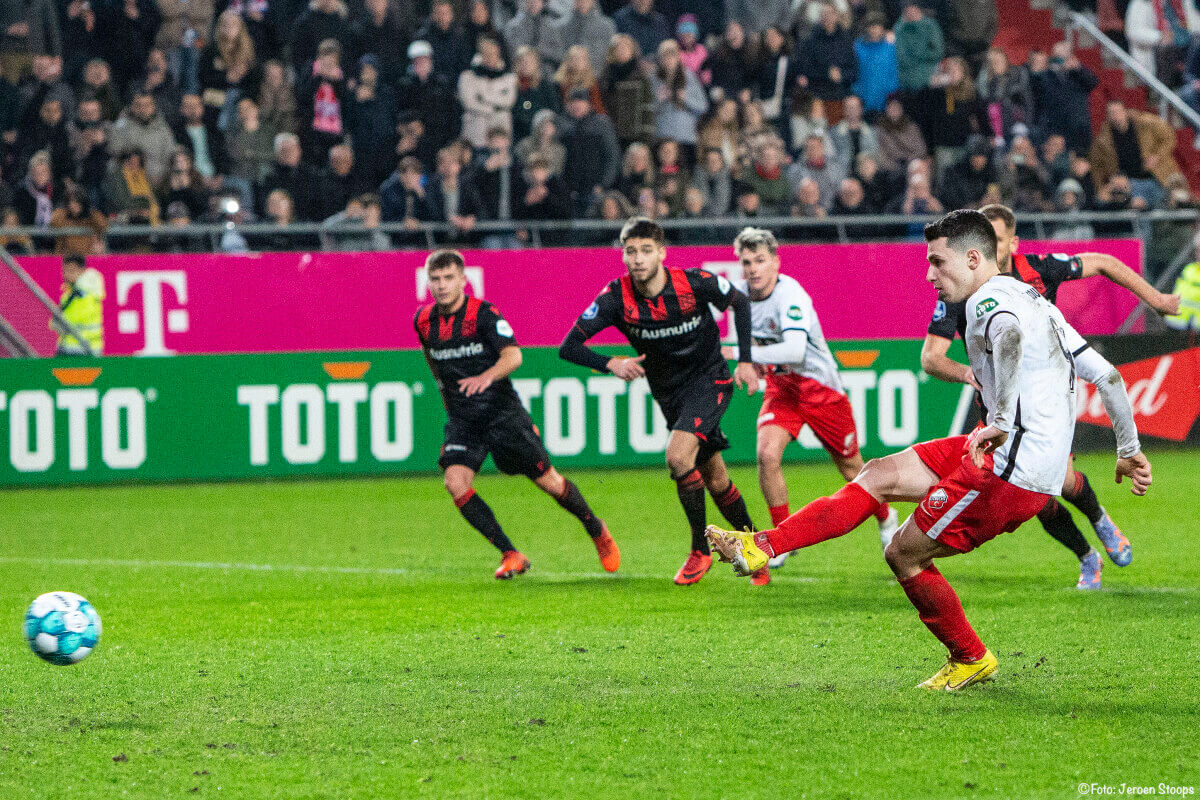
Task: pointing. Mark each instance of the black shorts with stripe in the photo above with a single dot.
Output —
(509, 436)
(697, 406)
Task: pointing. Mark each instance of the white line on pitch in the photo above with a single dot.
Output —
(309, 568)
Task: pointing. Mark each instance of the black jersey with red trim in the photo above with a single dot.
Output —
(675, 330)
(1044, 273)
(462, 345)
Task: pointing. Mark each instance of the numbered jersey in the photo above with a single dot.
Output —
(1036, 453)
(789, 308)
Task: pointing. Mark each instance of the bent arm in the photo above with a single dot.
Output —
(936, 362)
(574, 350)
(508, 363)
(790, 351)
(1119, 273)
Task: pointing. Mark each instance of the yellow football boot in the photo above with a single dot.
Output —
(958, 675)
(738, 548)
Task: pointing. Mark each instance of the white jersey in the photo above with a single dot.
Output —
(789, 308)
(1036, 453)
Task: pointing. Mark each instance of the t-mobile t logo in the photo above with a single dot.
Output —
(150, 320)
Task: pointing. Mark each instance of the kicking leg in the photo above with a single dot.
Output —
(567, 495)
(889, 521)
(733, 507)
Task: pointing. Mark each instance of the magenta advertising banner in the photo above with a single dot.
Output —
(283, 302)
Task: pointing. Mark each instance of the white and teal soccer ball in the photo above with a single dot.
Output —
(62, 628)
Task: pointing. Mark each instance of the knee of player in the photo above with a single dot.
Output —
(893, 555)
(680, 464)
(456, 484)
(769, 454)
(876, 477)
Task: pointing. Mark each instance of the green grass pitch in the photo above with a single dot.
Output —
(347, 640)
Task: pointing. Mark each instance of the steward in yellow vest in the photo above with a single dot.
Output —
(1188, 289)
(82, 304)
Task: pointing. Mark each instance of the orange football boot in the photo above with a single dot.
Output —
(513, 563)
(606, 548)
(693, 569)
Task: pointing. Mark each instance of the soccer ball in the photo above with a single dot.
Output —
(62, 627)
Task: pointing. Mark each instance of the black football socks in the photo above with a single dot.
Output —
(1056, 519)
(480, 515)
(1083, 497)
(572, 500)
(733, 508)
(690, 487)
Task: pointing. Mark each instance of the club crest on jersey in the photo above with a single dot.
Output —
(591, 311)
(984, 306)
(723, 284)
(795, 313)
(503, 328)
(937, 500)
(939, 311)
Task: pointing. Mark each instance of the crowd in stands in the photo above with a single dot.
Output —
(357, 112)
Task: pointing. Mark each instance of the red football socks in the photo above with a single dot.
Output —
(942, 612)
(779, 514)
(882, 512)
(823, 518)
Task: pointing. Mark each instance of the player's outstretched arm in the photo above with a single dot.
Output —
(936, 362)
(1119, 273)
(1005, 335)
(1131, 462)
(508, 363)
(744, 374)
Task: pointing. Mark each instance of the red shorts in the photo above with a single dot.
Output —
(969, 506)
(791, 402)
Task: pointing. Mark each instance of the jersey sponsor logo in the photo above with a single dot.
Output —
(666, 333)
(795, 313)
(937, 500)
(462, 351)
(723, 284)
(984, 306)
(503, 328)
(591, 311)
(939, 311)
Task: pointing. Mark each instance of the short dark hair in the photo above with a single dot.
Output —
(964, 229)
(445, 259)
(643, 228)
(73, 258)
(995, 211)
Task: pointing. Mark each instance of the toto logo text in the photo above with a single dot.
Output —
(35, 417)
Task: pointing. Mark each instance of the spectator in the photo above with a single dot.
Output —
(78, 25)
(89, 135)
(487, 92)
(129, 28)
(184, 185)
(626, 92)
(715, 183)
(967, 181)
(1056, 158)
(479, 24)
(340, 181)
(1068, 199)
(852, 136)
(276, 99)
(954, 112)
(1158, 32)
(1116, 194)
(733, 68)
(447, 42)
(321, 104)
(647, 26)
(428, 96)
(361, 216)
(229, 68)
(819, 166)
(158, 80)
(250, 144)
(679, 100)
(141, 127)
(281, 213)
(537, 27)
(810, 202)
(775, 61)
(575, 72)
(827, 64)
(384, 33)
(749, 204)
(674, 176)
(613, 207)
(754, 128)
(692, 51)
(371, 122)
(185, 23)
(48, 133)
(544, 195)
(77, 212)
(807, 117)
(1138, 145)
(15, 244)
(637, 171)
(97, 82)
(402, 196)
(289, 173)
(1005, 93)
(766, 179)
(268, 22)
(30, 29)
(851, 199)
(1060, 92)
(543, 143)
(919, 47)
(202, 139)
(970, 28)
(1024, 181)
(497, 177)
(878, 69)
(128, 192)
(918, 198)
(321, 21)
(46, 83)
(534, 92)
(593, 154)
(587, 26)
(878, 187)
(453, 198)
(719, 129)
(758, 15)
